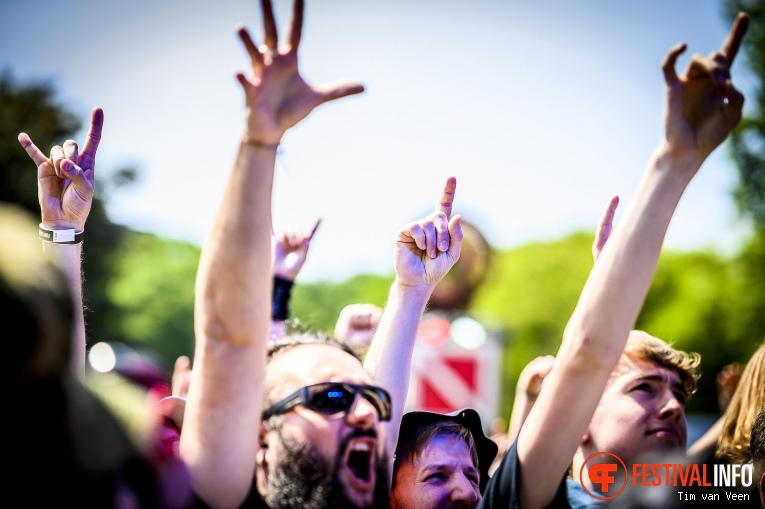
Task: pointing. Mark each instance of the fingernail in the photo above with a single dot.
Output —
(443, 246)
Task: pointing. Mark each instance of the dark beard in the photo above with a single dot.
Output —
(303, 479)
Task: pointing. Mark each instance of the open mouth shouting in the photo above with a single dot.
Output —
(359, 463)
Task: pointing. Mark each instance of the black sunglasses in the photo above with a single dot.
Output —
(330, 398)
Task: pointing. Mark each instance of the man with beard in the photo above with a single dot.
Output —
(320, 442)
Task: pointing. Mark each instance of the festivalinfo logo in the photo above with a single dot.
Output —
(608, 476)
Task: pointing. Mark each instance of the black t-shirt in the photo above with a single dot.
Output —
(502, 490)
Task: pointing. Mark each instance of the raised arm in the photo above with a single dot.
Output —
(527, 391)
(234, 280)
(701, 110)
(424, 252)
(290, 253)
(65, 185)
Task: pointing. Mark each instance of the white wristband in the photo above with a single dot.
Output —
(60, 236)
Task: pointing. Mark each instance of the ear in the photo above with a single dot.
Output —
(262, 445)
(762, 489)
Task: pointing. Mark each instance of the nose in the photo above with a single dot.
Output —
(464, 492)
(362, 413)
(671, 408)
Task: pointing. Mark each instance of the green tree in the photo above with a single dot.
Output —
(317, 305)
(30, 109)
(153, 289)
(529, 295)
(747, 143)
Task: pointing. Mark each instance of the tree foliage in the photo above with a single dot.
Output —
(747, 143)
(153, 288)
(318, 305)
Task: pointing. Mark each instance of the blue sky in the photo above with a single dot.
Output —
(542, 109)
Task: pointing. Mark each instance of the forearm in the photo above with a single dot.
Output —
(69, 258)
(597, 332)
(618, 284)
(389, 358)
(233, 318)
(234, 281)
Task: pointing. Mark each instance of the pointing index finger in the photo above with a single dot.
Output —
(94, 133)
(735, 36)
(447, 197)
(315, 227)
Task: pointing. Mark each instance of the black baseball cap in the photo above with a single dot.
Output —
(487, 449)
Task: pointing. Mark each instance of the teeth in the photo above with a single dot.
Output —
(361, 446)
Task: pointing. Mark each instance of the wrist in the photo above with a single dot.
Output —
(62, 224)
(413, 293)
(260, 142)
(286, 274)
(60, 235)
(678, 156)
(281, 298)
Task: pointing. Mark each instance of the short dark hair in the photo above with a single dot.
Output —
(295, 340)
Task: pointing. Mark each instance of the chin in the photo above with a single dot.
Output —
(360, 500)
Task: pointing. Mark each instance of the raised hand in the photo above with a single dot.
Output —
(703, 107)
(526, 391)
(532, 376)
(66, 179)
(181, 377)
(605, 227)
(356, 325)
(277, 97)
(426, 249)
(726, 381)
(291, 251)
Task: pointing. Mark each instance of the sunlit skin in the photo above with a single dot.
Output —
(322, 363)
(441, 475)
(642, 411)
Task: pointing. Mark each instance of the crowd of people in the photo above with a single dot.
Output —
(267, 414)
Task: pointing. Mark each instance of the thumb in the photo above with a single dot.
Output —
(77, 176)
(338, 90)
(455, 234)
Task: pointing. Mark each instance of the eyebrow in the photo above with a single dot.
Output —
(658, 378)
(436, 467)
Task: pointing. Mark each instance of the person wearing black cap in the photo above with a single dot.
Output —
(441, 460)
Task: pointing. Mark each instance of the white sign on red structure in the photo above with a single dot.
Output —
(446, 377)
